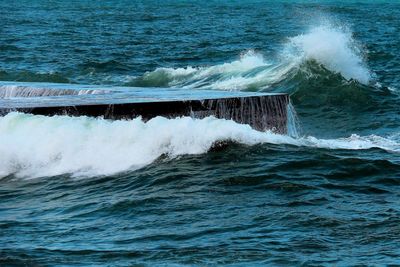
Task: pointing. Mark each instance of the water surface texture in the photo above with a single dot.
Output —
(88, 191)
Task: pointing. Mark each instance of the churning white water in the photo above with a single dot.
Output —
(36, 146)
(332, 47)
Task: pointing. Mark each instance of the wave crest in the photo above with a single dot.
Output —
(335, 49)
(89, 147)
(332, 48)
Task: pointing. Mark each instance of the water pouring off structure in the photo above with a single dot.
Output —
(261, 111)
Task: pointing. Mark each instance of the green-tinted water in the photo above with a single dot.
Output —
(81, 191)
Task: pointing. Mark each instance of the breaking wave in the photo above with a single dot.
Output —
(325, 47)
(335, 49)
(83, 146)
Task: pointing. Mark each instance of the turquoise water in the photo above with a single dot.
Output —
(87, 191)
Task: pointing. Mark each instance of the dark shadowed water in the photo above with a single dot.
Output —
(86, 191)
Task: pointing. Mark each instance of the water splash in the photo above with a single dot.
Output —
(334, 48)
(263, 113)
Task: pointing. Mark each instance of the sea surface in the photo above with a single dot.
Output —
(79, 191)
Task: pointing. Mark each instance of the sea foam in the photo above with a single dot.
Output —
(335, 49)
(36, 146)
(332, 47)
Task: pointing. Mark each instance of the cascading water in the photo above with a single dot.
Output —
(293, 122)
(12, 91)
(262, 112)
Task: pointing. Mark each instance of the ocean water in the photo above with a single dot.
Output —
(79, 191)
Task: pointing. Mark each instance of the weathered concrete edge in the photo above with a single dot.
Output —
(269, 111)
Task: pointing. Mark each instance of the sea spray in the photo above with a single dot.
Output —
(334, 48)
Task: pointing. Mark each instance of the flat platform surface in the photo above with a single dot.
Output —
(110, 95)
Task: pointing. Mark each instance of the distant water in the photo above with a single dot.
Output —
(87, 191)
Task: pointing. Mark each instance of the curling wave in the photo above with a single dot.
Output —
(325, 47)
(83, 146)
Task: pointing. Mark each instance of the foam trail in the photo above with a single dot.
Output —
(88, 147)
(331, 47)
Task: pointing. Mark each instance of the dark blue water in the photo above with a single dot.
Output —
(86, 191)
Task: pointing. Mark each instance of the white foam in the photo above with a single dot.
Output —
(247, 61)
(227, 76)
(35, 146)
(332, 47)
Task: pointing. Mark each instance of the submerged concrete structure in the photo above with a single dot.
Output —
(260, 110)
